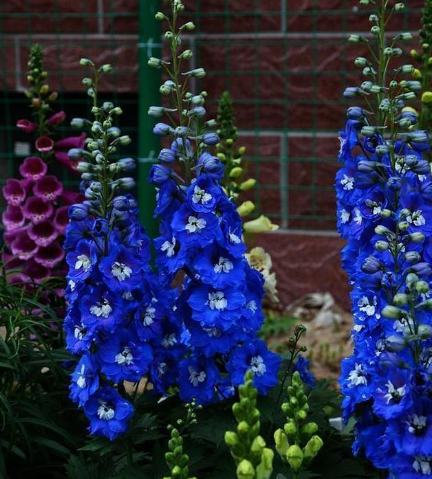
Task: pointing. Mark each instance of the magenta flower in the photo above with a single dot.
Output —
(48, 188)
(14, 192)
(61, 219)
(10, 261)
(72, 197)
(63, 146)
(19, 278)
(36, 271)
(50, 256)
(23, 246)
(57, 118)
(37, 210)
(26, 126)
(9, 236)
(44, 233)
(13, 217)
(44, 144)
(33, 168)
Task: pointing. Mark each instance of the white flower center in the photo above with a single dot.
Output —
(201, 196)
(347, 182)
(357, 376)
(169, 340)
(81, 382)
(169, 248)
(195, 377)
(83, 262)
(125, 357)
(366, 306)
(258, 366)
(79, 332)
(213, 332)
(422, 465)
(162, 369)
(223, 266)
(101, 309)
(252, 306)
(105, 411)
(217, 300)
(416, 424)
(71, 284)
(195, 225)
(344, 216)
(377, 210)
(234, 238)
(394, 394)
(357, 217)
(121, 271)
(148, 316)
(416, 218)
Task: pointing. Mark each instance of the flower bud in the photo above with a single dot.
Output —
(392, 312)
(260, 225)
(248, 184)
(154, 62)
(416, 237)
(381, 245)
(236, 172)
(424, 331)
(312, 447)
(196, 73)
(162, 129)
(156, 111)
(309, 429)
(412, 257)
(187, 55)
(422, 287)
(399, 7)
(395, 343)
(107, 68)
(210, 139)
(245, 208)
(400, 299)
(294, 457)
(85, 62)
(160, 16)
(281, 442)
(427, 97)
(189, 26)
(245, 470)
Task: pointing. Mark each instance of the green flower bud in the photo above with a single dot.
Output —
(154, 62)
(87, 82)
(427, 305)
(85, 62)
(392, 312)
(189, 26)
(400, 299)
(248, 184)
(312, 448)
(245, 470)
(294, 457)
(245, 208)
(309, 429)
(422, 287)
(160, 16)
(196, 73)
(399, 7)
(427, 97)
(424, 331)
(375, 30)
(281, 442)
(236, 172)
(265, 467)
(417, 237)
(381, 245)
(107, 68)
(290, 428)
(187, 55)
(231, 439)
(360, 62)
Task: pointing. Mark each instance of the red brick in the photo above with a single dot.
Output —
(121, 16)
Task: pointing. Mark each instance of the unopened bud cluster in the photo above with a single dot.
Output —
(297, 443)
(253, 459)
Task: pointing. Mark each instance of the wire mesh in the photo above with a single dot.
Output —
(285, 63)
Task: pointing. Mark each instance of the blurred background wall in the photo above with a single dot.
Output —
(286, 64)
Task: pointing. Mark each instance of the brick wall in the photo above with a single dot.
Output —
(286, 64)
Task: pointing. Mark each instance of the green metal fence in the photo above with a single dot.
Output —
(286, 64)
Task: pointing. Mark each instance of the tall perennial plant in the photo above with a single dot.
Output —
(384, 209)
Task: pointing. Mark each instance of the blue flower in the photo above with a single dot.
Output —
(203, 195)
(124, 358)
(82, 260)
(257, 358)
(392, 394)
(198, 378)
(84, 380)
(100, 309)
(108, 412)
(193, 228)
(213, 307)
(121, 269)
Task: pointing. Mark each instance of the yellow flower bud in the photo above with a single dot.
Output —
(236, 172)
(245, 208)
(245, 470)
(241, 150)
(294, 457)
(312, 447)
(221, 156)
(248, 184)
(265, 467)
(417, 74)
(427, 97)
(229, 141)
(281, 442)
(260, 225)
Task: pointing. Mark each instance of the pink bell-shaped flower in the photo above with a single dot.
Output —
(33, 168)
